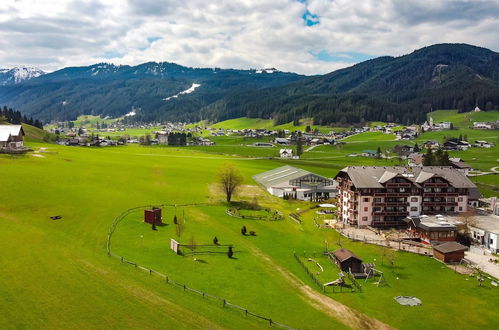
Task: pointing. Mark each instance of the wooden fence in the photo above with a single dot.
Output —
(169, 280)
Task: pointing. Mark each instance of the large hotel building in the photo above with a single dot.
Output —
(383, 196)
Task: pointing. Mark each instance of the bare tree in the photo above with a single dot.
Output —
(468, 220)
(230, 178)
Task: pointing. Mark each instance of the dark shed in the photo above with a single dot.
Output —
(153, 216)
(449, 252)
(346, 260)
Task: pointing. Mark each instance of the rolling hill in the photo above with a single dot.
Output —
(152, 89)
(401, 89)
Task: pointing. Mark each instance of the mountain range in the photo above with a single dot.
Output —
(401, 89)
(18, 75)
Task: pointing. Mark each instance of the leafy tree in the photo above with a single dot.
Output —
(299, 147)
(230, 253)
(417, 148)
(308, 129)
(230, 178)
(215, 241)
(378, 152)
(243, 230)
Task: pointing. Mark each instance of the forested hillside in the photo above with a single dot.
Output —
(401, 89)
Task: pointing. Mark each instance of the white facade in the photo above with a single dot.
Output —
(286, 153)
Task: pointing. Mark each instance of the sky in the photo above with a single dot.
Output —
(303, 36)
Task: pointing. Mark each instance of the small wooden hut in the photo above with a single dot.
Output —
(153, 216)
(348, 261)
(449, 252)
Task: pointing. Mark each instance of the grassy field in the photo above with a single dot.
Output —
(66, 280)
(256, 123)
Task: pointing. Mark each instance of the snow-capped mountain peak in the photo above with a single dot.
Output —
(18, 74)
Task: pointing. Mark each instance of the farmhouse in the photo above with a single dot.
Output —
(449, 252)
(11, 138)
(385, 195)
(288, 181)
(347, 261)
(286, 153)
(460, 165)
(431, 230)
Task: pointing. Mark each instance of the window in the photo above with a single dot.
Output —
(460, 199)
(460, 208)
(414, 199)
(364, 218)
(366, 209)
(491, 241)
(377, 200)
(366, 199)
(414, 208)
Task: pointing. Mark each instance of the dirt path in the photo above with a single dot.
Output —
(325, 304)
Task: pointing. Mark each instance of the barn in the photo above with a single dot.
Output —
(449, 252)
(11, 138)
(347, 260)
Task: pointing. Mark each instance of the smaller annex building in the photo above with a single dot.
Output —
(449, 252)
(291, 182)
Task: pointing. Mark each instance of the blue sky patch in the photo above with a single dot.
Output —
(150, 40)
(113, 54)
(310, 19)
(350, 57)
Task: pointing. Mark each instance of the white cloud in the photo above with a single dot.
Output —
(234, 33)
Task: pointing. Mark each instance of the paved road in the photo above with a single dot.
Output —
(483, 261)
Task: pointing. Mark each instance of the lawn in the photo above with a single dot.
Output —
(66, 280)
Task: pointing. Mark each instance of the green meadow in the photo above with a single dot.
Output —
(56, 273)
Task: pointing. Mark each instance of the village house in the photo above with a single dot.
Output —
(485, 125)
(281, 141)
(483, 144)
(460, 165)
(286, 153)
(384, 195)
(415, 159)
(11, 138)
(288, 181)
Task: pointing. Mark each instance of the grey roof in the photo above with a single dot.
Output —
(449, 247)
(431, 223)
(281, 175)
(370, 176)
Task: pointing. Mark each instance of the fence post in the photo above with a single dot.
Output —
(270, 321)
(224, 303)
(121, 259)
(184, 287)
(246, 312)
(150, 271)
(167, 279)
